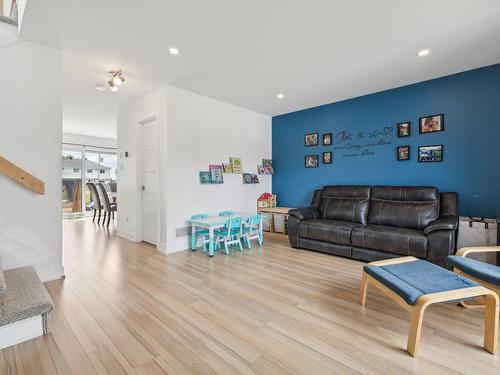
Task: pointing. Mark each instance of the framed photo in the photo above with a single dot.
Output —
(250, 178)
(429, 154)
(403, 153)
(431, 124)
(404, 129)
(327, 157)
(268, 166)
(216, 174)
(327, 139)
(311, 139)
(311, 161)
(236, 165)
(205, 178)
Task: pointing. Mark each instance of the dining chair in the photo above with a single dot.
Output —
(108, 207)
(226, 213)
(96, 204)
(106, 187)
(229, 235)
(251, 230)
(200, 233)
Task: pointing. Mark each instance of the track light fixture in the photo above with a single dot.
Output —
(116, 79)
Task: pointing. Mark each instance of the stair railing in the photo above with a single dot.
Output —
(21, 176)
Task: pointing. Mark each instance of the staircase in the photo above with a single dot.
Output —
(24, 306)
(24, 301)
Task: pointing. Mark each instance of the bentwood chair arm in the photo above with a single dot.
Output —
(464, 251)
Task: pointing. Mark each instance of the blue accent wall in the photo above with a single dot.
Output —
(470, 102)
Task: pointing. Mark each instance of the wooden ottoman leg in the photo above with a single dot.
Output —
(491, 323)
(417, 316)
(363, 288)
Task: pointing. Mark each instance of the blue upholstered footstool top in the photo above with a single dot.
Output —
(489, 273)
(411, 280)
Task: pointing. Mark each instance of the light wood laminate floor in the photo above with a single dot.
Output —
(126, 308)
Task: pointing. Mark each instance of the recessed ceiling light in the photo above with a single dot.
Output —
(173, 51)
(280, 96)
(423, 52)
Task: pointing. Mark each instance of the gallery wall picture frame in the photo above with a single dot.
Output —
(311, 139)
(216, 173)
(311, 161)
(205, 178)
(327, 157)
(431, 124)
(327, 139)
(403, 153)
(404, 129)
(430, 153)
(250, 178)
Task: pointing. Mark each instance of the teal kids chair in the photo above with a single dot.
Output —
(229, 235)
(226, 213)
(200, 233)
(252, 229)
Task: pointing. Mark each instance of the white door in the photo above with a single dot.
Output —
(149, 175)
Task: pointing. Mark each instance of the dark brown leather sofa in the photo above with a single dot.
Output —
(378, 222)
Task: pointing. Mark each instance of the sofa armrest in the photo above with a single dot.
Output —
(442, 223)
(304, 213)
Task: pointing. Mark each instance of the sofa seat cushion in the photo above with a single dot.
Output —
(394, 240)
(334, 231)
(486, 272)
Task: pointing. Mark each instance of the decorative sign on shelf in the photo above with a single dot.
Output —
(362, 143)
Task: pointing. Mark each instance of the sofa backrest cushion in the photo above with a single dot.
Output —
(403, 206)
(345, 202)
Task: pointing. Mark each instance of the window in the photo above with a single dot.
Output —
(83, 164)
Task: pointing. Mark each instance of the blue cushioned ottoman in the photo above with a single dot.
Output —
(415, 284)
(411, 280)
(489, 273)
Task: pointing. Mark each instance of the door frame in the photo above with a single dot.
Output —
(141, 123)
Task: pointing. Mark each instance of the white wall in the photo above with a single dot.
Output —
(129, 116)
(203, 131)
(195, 131)
(31, 136)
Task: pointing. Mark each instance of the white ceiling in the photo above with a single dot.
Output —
(244, 52)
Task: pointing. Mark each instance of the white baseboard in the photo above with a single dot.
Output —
(128, 235)
(162, 246)
(18, 332)
(49, 274)
(181, 244)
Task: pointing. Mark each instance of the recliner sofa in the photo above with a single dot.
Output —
(378, 222)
